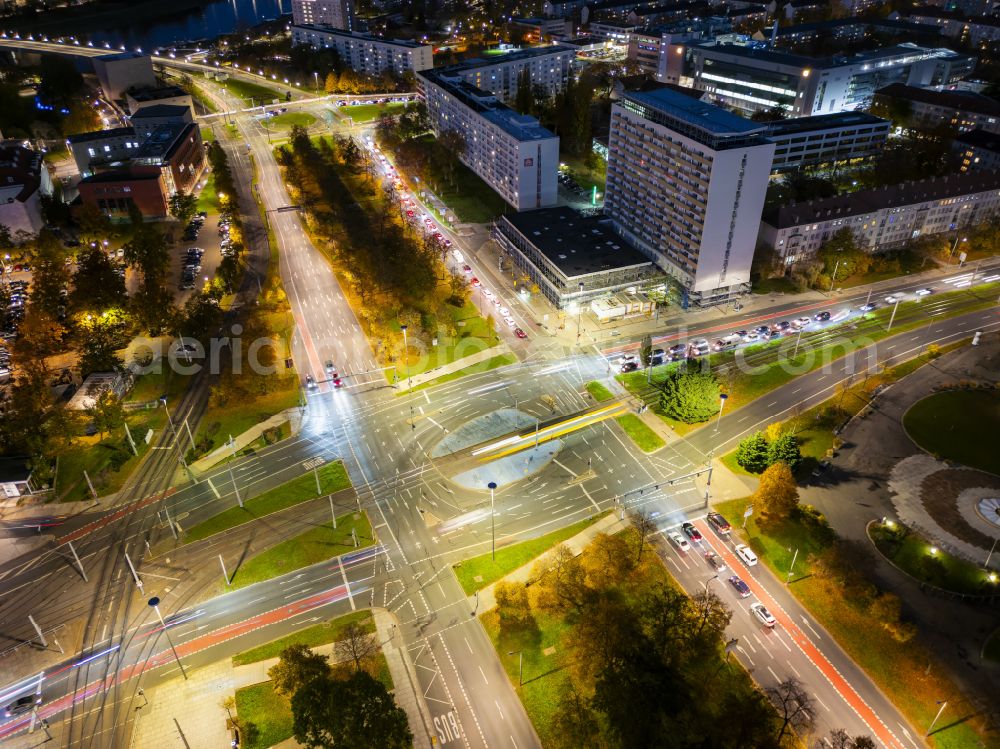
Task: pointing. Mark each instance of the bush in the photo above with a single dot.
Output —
(691, 397)
(752, 453)
(785, 450)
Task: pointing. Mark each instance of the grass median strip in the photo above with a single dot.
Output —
(640, 433)
(332, 478)
(478, 572)
(599, 391)
(315, 545)
(318, 634)
(269, 711)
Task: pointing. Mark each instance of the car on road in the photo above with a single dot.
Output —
(821, 316)
(698, 347)
(715, 561)
(924, 291)
(678, 348)
(691, 532)
(745, 553)
(466, 269)
(330, 369)
(783, 325)
(867, 307)
(504, 312)
(510, 322)
(679, 541)
(763, 331)
(763, 615)
(741, 587)
(892, 299)
(520, 333)
(718, 522)
(629, 366)
(459, 258)
(310, 382)
(801, 322)
(22, 705)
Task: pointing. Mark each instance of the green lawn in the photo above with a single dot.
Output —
(495, 362)
(369, 112)
(269, 711)
(782, 285)
(509, 558)
(474, 334)
(318, 634)
(900, 669)
(247, 91)
(288, 119)
(315, 545)
(943, 424)
(586, 175)
(233, 417)
(207, 134)
(599, 392)
(647, 440)
(208, 199)
(332, 478)
(922, 560)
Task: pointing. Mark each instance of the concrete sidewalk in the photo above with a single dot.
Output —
(611, 524)
(406, 383)
(292, 415)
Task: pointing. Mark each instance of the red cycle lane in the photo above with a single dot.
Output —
(871, 719)
(186, 649)
(112, 516)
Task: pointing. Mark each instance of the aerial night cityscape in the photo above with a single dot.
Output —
(500, 374)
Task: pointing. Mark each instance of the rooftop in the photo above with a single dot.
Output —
(868, 201)
(577, 245)
(979, 139)
(161, 110)
(843, 23)
(502, 59)
(162, 140)
(883, 55)
(521, 126)
(360, 36)
(96, 135)
(155, 94)
(121, 175)
(707, 117)
(14, 469)
(824, 122)
(20, 166)
(966, 101)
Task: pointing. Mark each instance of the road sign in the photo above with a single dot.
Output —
(748, 511)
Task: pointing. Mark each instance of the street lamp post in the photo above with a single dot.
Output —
(833, 278)
(154, 602)
(893, 315)
(579, 314)
(493, 525)
(409, 381)
(722, 405)
(954, 246)
(706, 582)
(943, 704)
(520, 665)
(791, 567)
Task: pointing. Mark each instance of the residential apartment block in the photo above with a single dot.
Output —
(826, 139)
(365, 53)
(24, 178)
(511, 152)
(958, 110)
(548, 67)
(686, 183)
(755, 79)
(979, 31)
(884, 218)
(338, 14)
(977, 151)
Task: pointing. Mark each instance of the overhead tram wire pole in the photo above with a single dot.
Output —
(154, 602)
(493, 526)
(409, 381)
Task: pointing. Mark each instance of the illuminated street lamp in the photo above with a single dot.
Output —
(493, 527)
(722, 405)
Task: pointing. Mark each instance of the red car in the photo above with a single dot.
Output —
(409, 214)
(520, 333)
(475, 281)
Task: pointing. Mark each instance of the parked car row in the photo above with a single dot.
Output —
(193, 227)
(14, 314)
(192, 267)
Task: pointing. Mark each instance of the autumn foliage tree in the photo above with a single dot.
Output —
(777, 496)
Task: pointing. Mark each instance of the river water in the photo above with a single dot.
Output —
(207, 22)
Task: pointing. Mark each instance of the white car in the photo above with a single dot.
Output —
(801, 322)
(679, 541)
(745, 553)
(892, 299)
(762, 614)
(487, 293)
(510, 322)
(505, 312)
(459, 258)
(923, 292)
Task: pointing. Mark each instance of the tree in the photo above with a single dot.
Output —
(562, 586)
(690, 397)
(99, 338)
(773, 431)
(523, 99)
(574, 721)
(452, 144)
(297, 667)
(331, 84)
(607, 560)
(785, 450)
(50, 275)
(183, 206)
(646, 350)
(357, 711)
(777, 496)
(513, 607)
(97, 287)
(713, 613)
(752, 453)
(794, 706)
(644, 526)
(357, 645)
(838, 738)
(107, 413)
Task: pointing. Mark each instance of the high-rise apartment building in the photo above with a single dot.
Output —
(547, 68)
(365, 53)
(686, 184)
(338, 14)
